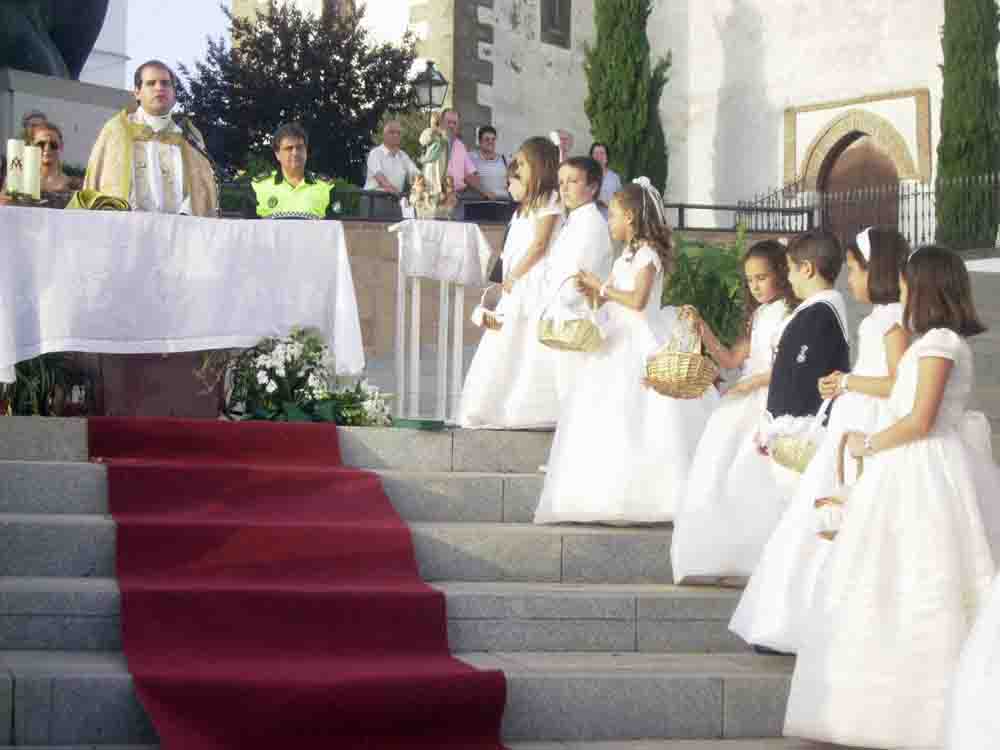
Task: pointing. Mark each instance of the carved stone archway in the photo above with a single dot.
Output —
(848, 126)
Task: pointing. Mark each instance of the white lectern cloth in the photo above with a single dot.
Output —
(129, 283)
(444, 250)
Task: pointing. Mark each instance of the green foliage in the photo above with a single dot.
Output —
(710, 277)
(624, 90)
(289, 66)
(970, 123)
(41, 387)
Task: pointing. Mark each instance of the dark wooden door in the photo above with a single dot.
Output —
(860, 187)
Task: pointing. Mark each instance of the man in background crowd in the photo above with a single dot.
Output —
(390, 170)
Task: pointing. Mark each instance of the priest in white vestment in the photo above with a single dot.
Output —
(143, 157)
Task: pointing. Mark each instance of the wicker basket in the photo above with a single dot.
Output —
(573, 335)
(484, 317)
(796, 451)
(832, 507)
(680, 370)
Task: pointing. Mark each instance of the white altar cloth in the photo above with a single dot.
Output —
(132, 283)
(443, 250)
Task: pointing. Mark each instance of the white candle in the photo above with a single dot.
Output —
(15, 165)
(32, 172)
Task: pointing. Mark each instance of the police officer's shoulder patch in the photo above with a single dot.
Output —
(272, 201)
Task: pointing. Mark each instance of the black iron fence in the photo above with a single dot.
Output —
(969, 213)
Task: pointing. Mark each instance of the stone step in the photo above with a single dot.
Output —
(78, 698)
(82, 614)
(83, 546)
(509, 451)
(493, 497)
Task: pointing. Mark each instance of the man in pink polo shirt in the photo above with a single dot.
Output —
(460, 165)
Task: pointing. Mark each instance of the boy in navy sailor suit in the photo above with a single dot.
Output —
(814, 341)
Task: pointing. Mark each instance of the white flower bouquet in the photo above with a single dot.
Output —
(291, 379)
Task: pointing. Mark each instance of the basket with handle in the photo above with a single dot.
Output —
(485, 317)
(679, 369)
(831, 509)
(572, 334)
(793, 441)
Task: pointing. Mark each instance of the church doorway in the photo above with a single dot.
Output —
(859, 185)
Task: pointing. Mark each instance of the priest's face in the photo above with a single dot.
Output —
(156, 93)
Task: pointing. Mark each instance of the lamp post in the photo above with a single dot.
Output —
(429, 88)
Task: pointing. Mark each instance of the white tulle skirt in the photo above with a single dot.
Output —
(511, 382)
(621, 451)
(734, 498)
(974, 721)
(775, 603)
(906, 576)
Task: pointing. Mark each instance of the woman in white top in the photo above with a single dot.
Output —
(611, 183)
(511, 382)
(774, 606)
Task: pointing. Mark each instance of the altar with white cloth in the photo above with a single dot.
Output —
(130, 283)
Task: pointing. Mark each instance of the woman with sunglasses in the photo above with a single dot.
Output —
(57, 186)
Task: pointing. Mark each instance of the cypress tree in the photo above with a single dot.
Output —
(624, 89)
(967, 209)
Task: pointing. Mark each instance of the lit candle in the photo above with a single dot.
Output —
(32, 184)
(15, 166)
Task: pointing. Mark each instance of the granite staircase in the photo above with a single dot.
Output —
(600, 650)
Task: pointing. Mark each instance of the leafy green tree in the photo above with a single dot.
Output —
(323, 72)
(969, 149)
(624, 89)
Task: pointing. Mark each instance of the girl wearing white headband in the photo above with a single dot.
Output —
(774, 605)
(622, 452)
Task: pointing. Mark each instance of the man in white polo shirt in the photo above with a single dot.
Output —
(390, 171)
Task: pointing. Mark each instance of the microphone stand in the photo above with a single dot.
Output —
(185, 125)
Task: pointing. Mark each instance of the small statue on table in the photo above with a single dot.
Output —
(434, 159)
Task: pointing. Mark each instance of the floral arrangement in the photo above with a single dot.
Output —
(291, 379)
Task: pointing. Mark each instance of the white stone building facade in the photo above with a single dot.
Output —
(762, 93)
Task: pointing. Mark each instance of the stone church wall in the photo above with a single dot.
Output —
(754, 83)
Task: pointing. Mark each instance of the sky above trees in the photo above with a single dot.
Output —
(175, 31)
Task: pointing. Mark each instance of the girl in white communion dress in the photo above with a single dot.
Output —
(911, 566)
(777, 598)
(728, 437)
(621, 451)
(974, 722)
(511, 382)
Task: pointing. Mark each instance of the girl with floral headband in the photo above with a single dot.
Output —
(621, 451)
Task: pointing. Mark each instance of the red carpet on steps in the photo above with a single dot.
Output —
(271, 599)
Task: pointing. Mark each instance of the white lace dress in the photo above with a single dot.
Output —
(776, 600)
(715, 504)
(974, 722)
(511, 382)
(621, 451)
(906, 576)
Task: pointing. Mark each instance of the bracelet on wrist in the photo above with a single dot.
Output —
(843, 382)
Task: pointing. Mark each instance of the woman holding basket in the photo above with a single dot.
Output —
(621, 451)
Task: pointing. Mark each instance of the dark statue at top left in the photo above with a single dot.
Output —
(50, 37)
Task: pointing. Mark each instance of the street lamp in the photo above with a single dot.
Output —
(429, 88)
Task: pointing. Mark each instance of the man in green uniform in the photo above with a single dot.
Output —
(291, 189)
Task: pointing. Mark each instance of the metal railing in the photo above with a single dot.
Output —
(969, 216)
(729, 217)
(238, 200)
